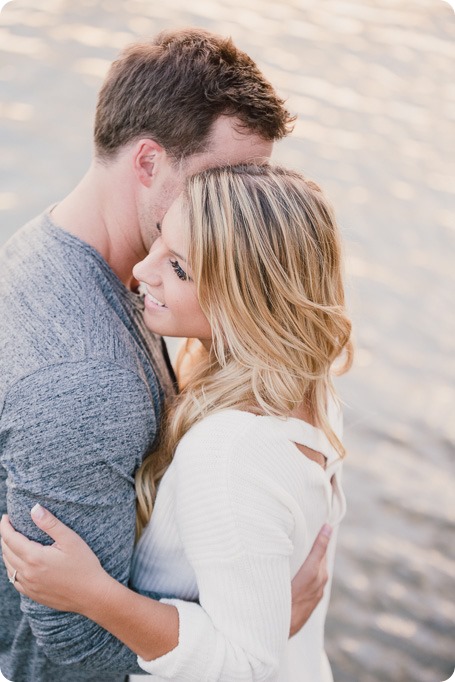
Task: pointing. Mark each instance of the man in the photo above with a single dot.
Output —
(82, 381)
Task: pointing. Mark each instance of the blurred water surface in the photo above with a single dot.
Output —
(372, 84)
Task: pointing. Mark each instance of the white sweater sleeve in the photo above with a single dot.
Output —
(236, 526)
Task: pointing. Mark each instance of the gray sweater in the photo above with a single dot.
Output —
(82, 383)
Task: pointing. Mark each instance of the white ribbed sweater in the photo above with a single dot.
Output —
(236, 515)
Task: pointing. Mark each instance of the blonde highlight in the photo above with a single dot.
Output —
(267, 262)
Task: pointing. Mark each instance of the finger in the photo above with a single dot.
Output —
(9, 567)
(11, 571)
(10, 557)
(19, 588)
(319, 548)
(18, 543)
(49, 523)
(5, 525)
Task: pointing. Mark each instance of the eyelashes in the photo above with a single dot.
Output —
(181, 274)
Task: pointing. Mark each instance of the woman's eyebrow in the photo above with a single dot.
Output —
(178, 255)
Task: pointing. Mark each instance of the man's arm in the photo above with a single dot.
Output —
(75, 432)
(308, 584)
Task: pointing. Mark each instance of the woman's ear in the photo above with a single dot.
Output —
(147, 159)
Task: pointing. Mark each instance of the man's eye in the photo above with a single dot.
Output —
(181, 274)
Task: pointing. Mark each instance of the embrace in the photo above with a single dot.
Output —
(176, 517)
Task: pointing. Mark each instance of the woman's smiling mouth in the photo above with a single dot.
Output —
(152, 300)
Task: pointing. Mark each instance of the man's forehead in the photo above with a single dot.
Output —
(230, 144)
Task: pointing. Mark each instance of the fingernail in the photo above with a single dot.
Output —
(326, 530)
(38, 512)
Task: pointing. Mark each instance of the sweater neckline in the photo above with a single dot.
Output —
(136, 299)
(299, 431)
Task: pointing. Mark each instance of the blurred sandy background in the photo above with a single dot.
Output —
(373, 84)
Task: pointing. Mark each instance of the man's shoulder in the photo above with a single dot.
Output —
(58, 305)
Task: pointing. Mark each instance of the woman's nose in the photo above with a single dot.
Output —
(147, 270)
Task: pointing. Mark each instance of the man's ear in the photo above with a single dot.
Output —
(147, 159)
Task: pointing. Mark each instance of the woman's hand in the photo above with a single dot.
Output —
(65, 576)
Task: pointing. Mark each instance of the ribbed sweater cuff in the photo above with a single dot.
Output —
(195, 650)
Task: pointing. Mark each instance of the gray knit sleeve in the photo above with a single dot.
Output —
(72, 443)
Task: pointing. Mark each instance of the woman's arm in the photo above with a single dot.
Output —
(242, 624)
(67, 576)
(150, 628)
(236, 529)
(239, 548)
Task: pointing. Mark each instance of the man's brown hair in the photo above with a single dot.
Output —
(174, 87)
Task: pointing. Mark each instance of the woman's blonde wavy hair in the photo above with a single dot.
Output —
(267, 264)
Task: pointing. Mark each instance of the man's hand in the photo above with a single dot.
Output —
(308, 584)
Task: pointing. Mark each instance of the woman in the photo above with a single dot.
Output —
(249, 263)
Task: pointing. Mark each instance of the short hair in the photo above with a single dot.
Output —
(174, 87)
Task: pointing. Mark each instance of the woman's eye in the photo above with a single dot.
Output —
(181, 274)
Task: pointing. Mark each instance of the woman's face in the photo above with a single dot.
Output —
(171, 304)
